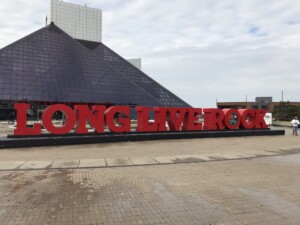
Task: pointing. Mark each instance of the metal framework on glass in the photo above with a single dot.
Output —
(49, 66)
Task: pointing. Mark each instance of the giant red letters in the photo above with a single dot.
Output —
(177, 119)
(68, 124)
(95, 117)
(124, 123)
(191, 120)
(22, 128)
(259, 119)
(247, 118)
(143, 123)
(213, 119)
(232, 118)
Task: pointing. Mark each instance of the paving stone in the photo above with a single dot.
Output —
(143, 161)
(118, 162)
(260, 191)
(248, 155)
(267, 153)
(234, 146)
(10, 165)
(36, 164)
(203, 157)
(225, 156)
(187, 159)
(164, 159)
(92, 163)
(64, 164)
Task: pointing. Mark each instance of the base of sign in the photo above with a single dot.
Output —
(75, 139)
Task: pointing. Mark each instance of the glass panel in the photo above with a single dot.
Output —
(49, 65)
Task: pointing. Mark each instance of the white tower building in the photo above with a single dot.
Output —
(80, 22)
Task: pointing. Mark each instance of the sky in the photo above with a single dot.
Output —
(203, 51)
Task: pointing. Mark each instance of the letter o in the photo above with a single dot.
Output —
(69, 123)
(228, 113)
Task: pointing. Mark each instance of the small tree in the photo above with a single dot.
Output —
(285, 111)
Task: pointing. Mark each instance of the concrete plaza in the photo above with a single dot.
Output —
(247, 180)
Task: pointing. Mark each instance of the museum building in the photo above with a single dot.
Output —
(53, 66)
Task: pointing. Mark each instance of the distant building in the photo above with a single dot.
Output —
(262, 103)
(259, 103)
(136, 62)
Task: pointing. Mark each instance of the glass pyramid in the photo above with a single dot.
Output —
(50, 66)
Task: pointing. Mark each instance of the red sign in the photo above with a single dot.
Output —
(172, 119)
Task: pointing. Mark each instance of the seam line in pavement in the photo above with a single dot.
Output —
(49, 166)
(21, 165)
(156, 160)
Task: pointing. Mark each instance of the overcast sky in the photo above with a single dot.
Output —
(202, 50)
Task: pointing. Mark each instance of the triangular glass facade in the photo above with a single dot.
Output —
(49, 65)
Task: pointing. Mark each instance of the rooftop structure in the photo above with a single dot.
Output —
(136, 62)
(80, 22)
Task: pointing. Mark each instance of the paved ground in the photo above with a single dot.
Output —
(5, 128)
(258, 191)
(163, 189)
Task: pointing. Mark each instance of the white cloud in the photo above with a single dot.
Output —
(201, 50)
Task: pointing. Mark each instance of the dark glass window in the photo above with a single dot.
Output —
(49, 65)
